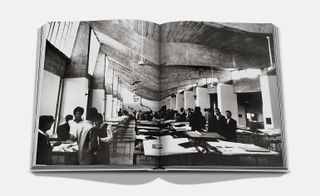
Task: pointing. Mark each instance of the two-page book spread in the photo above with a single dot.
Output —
(135, 95)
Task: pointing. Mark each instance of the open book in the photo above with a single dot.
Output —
(135, 95)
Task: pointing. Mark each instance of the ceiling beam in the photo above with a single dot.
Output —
(173, 53)
(129, 38)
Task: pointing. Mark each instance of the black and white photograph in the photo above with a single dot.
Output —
(132, 94)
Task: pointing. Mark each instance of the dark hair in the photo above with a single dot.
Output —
(197, 109)
(78, 109)
(44, 121)
(229, 112)
(69, 117)
(91, 114)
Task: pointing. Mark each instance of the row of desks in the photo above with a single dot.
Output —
(177, 139)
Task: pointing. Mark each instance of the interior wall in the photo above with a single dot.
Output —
(242, 112)
(75, 93)
(270, 100)
(49, 93)
(203, 98)
(189, 101)
(130, 104)
(98, 99)
(108, 106)
(227, 99)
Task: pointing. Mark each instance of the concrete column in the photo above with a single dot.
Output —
(108, 106)
(270, 101)
(179, 101)
(173, 103)
(203, 98)
(227, 99)
(114, 107)
(189, 101)
(98, 100)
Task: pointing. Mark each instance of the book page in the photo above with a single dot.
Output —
(220, 82)
(97, 79)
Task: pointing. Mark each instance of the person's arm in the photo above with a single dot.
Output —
(109, 135)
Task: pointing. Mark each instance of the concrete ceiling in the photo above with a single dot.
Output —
(189, 50)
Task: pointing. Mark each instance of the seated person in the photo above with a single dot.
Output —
(44, 148)
(63, 130)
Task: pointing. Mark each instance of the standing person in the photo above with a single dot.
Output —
(105, 136)
(44, 148)
(206, 114)
(76, 124)
(120, 112)
(87, 140)
(63, 131)
(217, 122)
(231, 127)
(183, 115)
(197, 120)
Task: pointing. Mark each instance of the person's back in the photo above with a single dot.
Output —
(63, 132)
(83, 140)
(197, 120)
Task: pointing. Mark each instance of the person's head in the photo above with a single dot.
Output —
(78, 112)
(217, 112)
(197, 109)
(68, 117)
(45, 122)
(228, 114)
(91, 114)
(97, 119)
(181, 110)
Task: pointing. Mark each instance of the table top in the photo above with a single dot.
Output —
(167, 145)
(233, 148)
(204, 135)
(147, 127)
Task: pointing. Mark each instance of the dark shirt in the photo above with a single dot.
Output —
(197, 122)
(230, 129)
(216, 124)
(44, 150)
(63, 132)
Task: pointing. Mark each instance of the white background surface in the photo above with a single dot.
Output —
(299, 36)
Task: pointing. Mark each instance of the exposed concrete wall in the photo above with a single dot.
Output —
(270, 100)
(79, 56)
(227, 99)
(130, 104)
(55, 61)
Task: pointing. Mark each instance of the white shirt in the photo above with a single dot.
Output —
(74, 127)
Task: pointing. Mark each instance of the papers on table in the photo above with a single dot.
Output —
(204, 135)
(233, 148)
(167, 146)
(270, 132)
(73, 147)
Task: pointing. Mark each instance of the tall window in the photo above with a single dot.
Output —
(62, 35)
